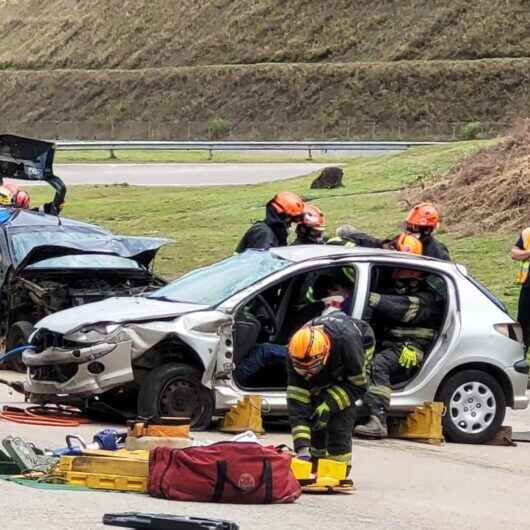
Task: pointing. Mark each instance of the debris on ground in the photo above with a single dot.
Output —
(488, 190)
(330, 177)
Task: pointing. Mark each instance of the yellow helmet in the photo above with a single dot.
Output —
(6, 197)
(408, 243)
(309, 350)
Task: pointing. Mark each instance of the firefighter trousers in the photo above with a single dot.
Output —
(383, 365)
(335, 442)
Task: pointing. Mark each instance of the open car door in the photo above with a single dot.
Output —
(25, 158)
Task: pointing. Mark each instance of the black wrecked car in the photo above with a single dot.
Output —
(49, 263)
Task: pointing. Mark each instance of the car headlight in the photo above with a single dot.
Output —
(111, 333)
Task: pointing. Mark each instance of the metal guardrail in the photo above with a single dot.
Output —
(209, 146)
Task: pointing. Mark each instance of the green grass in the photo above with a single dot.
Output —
(141, 156)
(206, 223)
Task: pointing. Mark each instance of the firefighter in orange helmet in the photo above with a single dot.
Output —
(282, 210)
(422, 220)
(326, 374)
(405, 316)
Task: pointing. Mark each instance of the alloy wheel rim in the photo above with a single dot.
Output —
(472, 407)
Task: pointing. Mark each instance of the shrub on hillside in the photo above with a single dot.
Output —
(218, 129)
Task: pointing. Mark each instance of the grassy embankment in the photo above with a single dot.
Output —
(207, 223)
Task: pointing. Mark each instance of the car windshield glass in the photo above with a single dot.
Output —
(92, 261)
(214, 284)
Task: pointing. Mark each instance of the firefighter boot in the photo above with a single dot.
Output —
(375, 428)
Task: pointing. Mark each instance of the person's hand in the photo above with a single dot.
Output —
(408, 358)
(320, 417)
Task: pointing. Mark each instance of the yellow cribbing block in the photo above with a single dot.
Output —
(138, 454)
(150, 442)
(104, 465)
(107, 481)
(245, 416)
(301, 469)
(424, 424)
(331, 469)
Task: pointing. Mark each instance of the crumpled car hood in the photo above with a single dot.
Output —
(115, 311)
(141, 249)
(25, 158)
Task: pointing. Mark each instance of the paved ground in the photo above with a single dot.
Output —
(400, 485)
(181, 174)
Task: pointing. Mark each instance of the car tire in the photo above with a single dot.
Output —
(175, 389)
(18, 335)
(475, 406)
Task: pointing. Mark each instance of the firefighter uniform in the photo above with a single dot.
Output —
(411, 312)
(337, 386)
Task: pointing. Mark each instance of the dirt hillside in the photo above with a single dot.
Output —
(270, 68)
(488, 190)
(160, 33)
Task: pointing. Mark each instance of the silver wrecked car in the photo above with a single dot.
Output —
(174, 351)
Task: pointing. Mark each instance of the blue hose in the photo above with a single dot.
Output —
(16, 350)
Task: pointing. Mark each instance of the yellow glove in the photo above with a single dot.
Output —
(409, 357)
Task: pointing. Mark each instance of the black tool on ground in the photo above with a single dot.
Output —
(165, 522)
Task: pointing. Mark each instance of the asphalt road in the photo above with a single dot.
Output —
(181, 174)
(400, 485)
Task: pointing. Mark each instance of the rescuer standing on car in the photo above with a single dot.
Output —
(326, 374)
(410, 314)
(310, 230)
(521, 252)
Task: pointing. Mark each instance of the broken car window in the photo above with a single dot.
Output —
(214, 284)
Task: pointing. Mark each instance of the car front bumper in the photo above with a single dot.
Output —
(90, 375)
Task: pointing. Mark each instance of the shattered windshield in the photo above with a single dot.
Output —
(214, 284)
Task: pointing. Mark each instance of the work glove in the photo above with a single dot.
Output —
(304, 454)
(409, 357)
(320, 417)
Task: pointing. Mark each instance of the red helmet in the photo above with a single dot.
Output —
(288, 203)
(313, 217)
(21, 199)
(423, 215)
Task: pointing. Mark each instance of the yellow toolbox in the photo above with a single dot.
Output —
(107, 481)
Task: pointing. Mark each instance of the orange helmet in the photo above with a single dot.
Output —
(288, 203)
(423, 215)
(309, 350)
(408, 243)
(313, 217)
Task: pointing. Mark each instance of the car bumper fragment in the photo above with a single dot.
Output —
(62, 356)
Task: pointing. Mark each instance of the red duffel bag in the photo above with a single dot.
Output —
(239, 472)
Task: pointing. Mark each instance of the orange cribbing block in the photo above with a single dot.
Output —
(423, 424)
(138, 430)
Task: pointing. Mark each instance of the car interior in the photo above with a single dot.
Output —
(275, 313)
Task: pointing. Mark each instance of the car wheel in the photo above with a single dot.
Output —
(175, 390)
(18, 335)
(475, 407)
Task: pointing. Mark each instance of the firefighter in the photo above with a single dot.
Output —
(422, 220)
(310, 230)
(410, 313)
(282, 210)
(521, 253)
(348, 236)
(326, 374)
(21, 198)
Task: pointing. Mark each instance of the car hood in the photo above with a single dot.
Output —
(141, 249)
(115, 311)
(25, 158)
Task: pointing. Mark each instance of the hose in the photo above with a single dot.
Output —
(16, 350)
